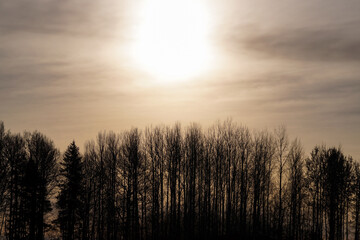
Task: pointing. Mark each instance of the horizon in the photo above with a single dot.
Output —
(204, 127)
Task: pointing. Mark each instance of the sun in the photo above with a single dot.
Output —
(171, 39)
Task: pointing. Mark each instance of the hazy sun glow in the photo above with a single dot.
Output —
(171, 39)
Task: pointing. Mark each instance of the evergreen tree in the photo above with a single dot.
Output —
(70, 195)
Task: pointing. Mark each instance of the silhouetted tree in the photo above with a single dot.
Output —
(357, 200)
(90, 176)
(336, 173)
(4, 172)
(223, 183)
(69, 200)
(315, 182)
(132, 155)
(16, 157)
(281, 145)
(193, 144)
(245, 147)
(261, 175)
(173, 150)
(112, 161)
(296, 182)
(154, 153)
(40, 181)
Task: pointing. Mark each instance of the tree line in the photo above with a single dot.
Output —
(225, 182)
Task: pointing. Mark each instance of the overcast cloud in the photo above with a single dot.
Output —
(65, 70)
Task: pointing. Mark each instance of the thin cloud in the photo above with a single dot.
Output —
(305, 45)
(88, 18)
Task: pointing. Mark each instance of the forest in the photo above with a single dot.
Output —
(174, 182)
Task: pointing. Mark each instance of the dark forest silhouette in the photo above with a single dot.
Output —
(226, 182)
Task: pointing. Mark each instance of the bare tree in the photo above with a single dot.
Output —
(40, 181)
(193, 144)
(4, 172)
(112, 160)
(296, 181)
(89, 186)
(133, 157)
(315, 181)
(173, 150)
(226, 182)
(15, 155)
(357, 201)
(281, 145)
(245, 148)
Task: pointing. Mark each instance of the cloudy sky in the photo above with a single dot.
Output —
(72, 68)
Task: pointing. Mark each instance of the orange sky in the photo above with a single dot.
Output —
(72, 68)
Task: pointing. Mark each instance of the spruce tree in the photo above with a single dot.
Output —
(70, 195)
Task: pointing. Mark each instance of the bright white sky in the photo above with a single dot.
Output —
(72, 68)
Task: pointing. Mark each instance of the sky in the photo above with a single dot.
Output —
(73, 68)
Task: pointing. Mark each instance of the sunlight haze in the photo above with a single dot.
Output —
(73, 68)
(171, 39)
